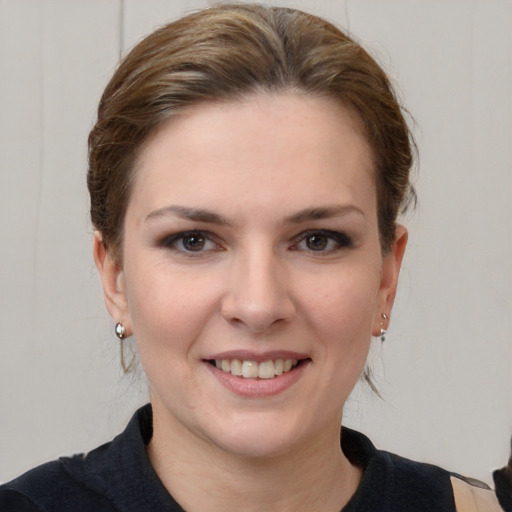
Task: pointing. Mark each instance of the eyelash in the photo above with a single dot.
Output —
(332, 241)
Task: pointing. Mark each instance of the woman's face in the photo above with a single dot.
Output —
(251, 247)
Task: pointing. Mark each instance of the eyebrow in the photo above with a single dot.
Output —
(320, 213)
(207, 216)
(195, 214)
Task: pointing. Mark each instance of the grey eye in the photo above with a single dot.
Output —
(322, 241)
(193, 242)
(317, 242)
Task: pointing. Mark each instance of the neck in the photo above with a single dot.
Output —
(202, 477)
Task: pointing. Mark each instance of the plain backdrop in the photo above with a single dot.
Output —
(445, 371)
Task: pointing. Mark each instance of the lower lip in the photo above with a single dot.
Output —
(258, 388)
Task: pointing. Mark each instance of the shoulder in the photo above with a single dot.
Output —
(391, 483)
(420, 481)
(435, 487)
(432, 484)
(50, 487)
(111, 477)
(429, 482)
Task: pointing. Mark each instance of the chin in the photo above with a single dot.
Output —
(263, 446)
(259, 438)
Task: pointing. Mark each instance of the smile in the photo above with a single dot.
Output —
(248, 369)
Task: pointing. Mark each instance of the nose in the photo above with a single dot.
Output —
(259, 297)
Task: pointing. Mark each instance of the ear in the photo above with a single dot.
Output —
(112, 278)
(391, 264)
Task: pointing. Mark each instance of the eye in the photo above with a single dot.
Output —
(193, 242)
(190, 242)
(317, 242)
(322, 241)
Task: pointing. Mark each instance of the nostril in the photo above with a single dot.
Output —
(258, 325)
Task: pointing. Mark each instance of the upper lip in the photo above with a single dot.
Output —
(250, 355)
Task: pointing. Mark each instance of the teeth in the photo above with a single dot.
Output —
(287, 365)
(252, 369)
(266, 370)
(249, 369)
(236, 367)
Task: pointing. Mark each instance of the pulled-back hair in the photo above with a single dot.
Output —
(231, 51)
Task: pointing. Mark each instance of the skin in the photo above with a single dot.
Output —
(277, 175)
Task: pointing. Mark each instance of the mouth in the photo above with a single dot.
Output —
(250, 369)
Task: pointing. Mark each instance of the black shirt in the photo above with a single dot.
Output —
(118, 477)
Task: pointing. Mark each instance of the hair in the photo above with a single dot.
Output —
(230, 52)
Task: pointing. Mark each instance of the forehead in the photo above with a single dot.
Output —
(260, 147)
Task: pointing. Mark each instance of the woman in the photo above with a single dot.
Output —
(246, 173)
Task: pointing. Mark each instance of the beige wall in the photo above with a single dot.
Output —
(445, 371)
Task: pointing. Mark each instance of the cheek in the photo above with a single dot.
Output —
(168, 309)
(344, 303)
(342, 318)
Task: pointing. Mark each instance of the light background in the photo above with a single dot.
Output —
(445, 371)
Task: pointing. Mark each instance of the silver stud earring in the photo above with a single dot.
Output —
(120, 330)
(383, 331)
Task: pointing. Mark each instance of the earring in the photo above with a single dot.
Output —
(120, 330)
(383, 331)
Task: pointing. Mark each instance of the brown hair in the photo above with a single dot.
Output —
(231, 51)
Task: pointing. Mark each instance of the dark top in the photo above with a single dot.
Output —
(503, 483)
(118, 477)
